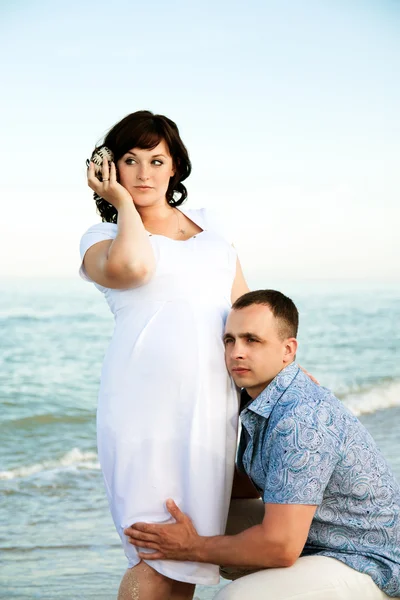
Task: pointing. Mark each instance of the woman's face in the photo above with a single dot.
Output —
(146, 174)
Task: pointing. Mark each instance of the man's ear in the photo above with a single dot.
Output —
(290, 350)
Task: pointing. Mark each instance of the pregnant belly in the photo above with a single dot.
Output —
(176, 353)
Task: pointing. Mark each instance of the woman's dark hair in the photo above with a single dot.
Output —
(282, 307)
(145, 130)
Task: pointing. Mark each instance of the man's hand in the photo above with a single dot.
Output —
(175, 541)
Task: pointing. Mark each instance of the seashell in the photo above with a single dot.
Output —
(97, 157)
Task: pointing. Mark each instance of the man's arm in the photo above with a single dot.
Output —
(277, 542)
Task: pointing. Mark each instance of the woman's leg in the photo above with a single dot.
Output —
(144, 583)
(182, 591)
(243, 514)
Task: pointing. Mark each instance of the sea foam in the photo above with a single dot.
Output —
(75, 459)
(385, 395)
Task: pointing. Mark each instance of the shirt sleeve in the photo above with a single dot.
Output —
(302, 455)
(96, 233)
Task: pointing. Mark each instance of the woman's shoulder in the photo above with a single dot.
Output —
(97, 233)
(205, 217)
(102, 228)
(213, 220)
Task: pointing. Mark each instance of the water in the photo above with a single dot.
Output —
(57, 539)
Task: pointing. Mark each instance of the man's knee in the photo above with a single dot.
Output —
(309, 578)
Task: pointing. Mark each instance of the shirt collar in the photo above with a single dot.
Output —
(264, 403)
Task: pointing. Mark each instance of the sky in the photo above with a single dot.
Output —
(289, 110)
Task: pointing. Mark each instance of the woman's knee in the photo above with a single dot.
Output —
(140, 582)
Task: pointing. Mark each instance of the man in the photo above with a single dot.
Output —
(328, 524)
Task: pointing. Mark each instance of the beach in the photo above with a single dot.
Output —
(57, 539)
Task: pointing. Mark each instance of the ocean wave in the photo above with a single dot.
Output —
(378, 397)
(10, 316)
(75, 459)
(46, 419)
(89, 547)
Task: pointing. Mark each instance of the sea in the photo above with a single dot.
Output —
(57, 539)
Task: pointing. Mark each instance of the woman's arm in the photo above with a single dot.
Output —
(239, 286)
(128, 260)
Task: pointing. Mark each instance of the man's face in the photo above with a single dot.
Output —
(254, 349)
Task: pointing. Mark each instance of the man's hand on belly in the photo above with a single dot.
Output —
(174, 541)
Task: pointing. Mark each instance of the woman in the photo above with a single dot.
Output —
(167, 410)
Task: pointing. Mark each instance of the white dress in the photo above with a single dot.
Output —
(167, 410)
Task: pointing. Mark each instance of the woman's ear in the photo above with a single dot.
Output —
(175, 165)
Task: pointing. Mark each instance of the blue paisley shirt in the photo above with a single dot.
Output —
(300, 445)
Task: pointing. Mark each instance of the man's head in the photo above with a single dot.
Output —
(260, 338)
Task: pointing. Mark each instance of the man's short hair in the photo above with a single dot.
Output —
(282, 307)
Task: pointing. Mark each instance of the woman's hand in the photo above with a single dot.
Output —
(109, 189)
(309, 375)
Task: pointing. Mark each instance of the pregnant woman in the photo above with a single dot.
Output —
(167, 410)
